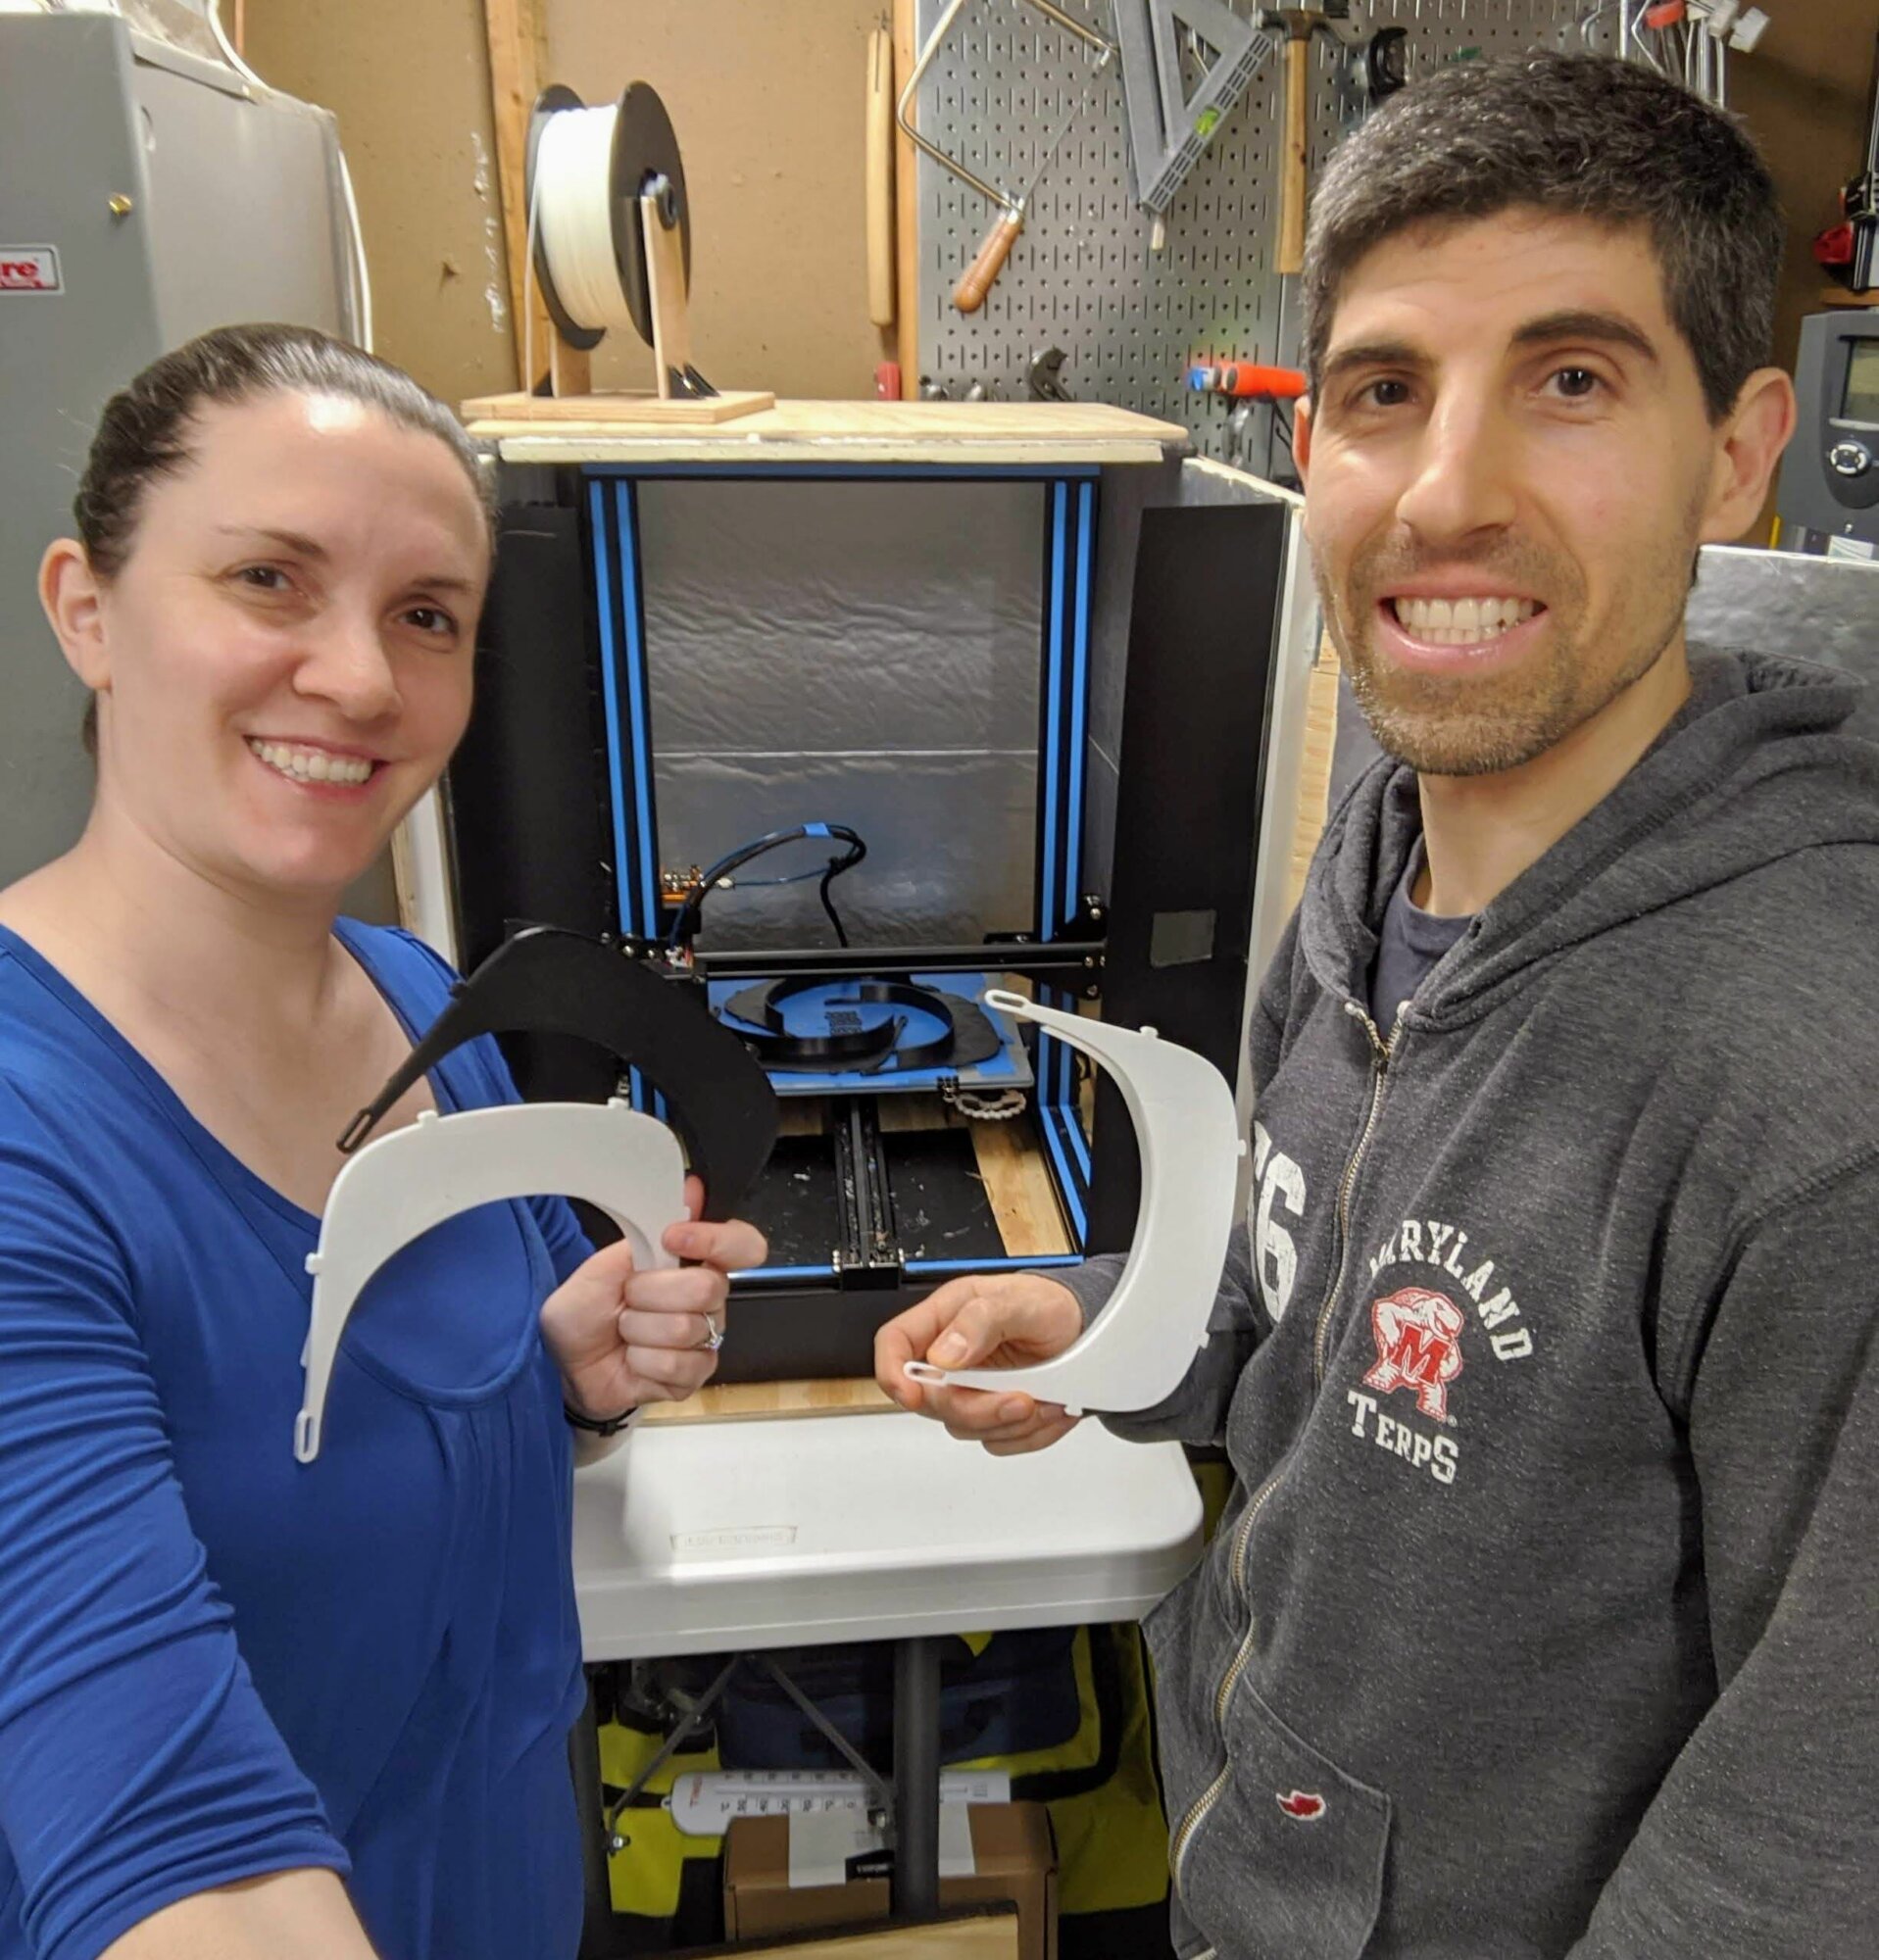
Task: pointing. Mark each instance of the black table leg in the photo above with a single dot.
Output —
(583, 1752)
(916, 1776)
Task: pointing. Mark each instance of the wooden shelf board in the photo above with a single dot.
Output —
(621, 414)
(868, 432)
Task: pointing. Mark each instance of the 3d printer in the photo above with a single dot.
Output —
(841, 716)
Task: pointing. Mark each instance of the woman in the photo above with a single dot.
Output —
(247, 1708)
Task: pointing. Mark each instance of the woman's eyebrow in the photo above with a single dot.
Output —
(294, 541)
(309, 547)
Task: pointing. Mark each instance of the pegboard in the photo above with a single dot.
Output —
(1083, 276)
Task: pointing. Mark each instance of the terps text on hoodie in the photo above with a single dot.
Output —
(1425, 1337)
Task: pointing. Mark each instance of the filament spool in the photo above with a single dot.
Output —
(587, 170)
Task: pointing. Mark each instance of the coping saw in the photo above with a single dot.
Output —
(976, 281)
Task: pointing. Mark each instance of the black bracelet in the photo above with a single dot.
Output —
(611, 1426)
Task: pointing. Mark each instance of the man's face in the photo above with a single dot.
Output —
(1508, 467)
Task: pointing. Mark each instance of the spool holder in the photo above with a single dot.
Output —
(649, 218)
(650, 222)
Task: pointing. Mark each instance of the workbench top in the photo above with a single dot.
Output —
(954, 435)
(712, 1537)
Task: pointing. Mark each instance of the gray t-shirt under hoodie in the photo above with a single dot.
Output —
(1409, 944)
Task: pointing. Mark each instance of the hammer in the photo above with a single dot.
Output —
(1298, 25)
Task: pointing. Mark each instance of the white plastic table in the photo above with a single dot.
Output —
(729, 1536)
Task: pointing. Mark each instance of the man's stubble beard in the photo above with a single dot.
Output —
(1460, 725)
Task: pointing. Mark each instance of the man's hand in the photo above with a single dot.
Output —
(992, 1320)
(621, 1337)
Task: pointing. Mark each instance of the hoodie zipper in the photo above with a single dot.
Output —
(1383, 1053)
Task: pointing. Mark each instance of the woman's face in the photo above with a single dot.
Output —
(284, 657)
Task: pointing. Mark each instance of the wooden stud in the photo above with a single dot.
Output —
(514, 32)
(907, 212)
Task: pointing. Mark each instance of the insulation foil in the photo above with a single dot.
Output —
(858, 653)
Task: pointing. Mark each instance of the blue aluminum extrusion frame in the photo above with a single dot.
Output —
(625, 686)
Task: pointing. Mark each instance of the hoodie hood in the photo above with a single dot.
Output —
(1753, 767)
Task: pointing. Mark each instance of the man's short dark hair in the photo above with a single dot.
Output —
(1583, 135)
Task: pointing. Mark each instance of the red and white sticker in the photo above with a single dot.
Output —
(29, 268)
(1305, 1805)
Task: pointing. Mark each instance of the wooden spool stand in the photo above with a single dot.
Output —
(571, 396)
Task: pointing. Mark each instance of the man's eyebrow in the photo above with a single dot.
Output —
(1611, 329)
(1373, 354)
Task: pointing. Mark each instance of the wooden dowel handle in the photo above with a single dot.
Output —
(969, 294)
(1292, 169)
(880, 177)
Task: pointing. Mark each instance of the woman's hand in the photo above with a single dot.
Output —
(986, 1320)
(622, 1338)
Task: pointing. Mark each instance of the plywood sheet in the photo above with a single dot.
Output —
(771, 1402)
(938, 432)
(623, 411)
(1019, 1191)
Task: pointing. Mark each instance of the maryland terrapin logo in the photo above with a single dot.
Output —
(1419, 1346)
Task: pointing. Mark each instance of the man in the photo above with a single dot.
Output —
(1544, 1618)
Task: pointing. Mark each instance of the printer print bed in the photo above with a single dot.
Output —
(820, 1011)
(939, 1199)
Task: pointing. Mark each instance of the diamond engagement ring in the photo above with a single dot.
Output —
(714, 1336)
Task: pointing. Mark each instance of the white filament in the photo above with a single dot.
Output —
(572, 200)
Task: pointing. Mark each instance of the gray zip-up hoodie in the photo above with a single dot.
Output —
(1544, 1618)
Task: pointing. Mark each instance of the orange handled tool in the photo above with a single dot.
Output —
(1249, 380)
(976, 281)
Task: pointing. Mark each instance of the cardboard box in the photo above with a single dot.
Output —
(1014, 1856)
(986, 1933)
